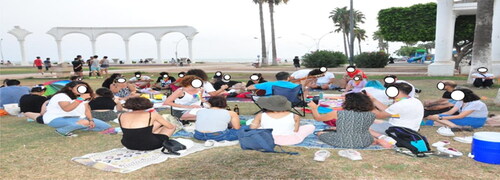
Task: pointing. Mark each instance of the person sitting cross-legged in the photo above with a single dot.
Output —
(143, 130)
(472, 112)
(444, 104)
(31, 104)
(213, 123)
(353, 122)
(276, 115)
(282, 80)
(483, 79)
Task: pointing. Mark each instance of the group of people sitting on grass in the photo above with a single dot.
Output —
(76, 106)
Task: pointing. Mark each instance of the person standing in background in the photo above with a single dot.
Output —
(89, 63)
(39, 64)
(296, 62)
(78, 66)
(47, 64)
(104, 66)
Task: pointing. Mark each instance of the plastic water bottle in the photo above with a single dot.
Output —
(320, 95)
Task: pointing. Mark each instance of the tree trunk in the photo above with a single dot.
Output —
(273, 38)
(359, 45)
(262, 36)
(481, 52)
(345, 45)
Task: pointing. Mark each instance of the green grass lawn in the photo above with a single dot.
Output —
(32, 151)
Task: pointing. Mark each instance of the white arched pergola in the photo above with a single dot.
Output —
(125, 32)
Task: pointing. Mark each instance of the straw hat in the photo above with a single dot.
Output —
(274, 103)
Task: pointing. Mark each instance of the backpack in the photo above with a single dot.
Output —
(259, 140)
(409, 139)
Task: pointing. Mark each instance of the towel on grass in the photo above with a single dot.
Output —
(124, 160)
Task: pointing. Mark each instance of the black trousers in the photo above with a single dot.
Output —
(478, 82)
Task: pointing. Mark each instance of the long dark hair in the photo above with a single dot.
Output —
(68, 89)
(358, 102)
(469, 95)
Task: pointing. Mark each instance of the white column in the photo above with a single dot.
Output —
(59, 51)
(495, 40)
(127, 54)
(190, 48)
(158, 51)
(92, 42)
(445, 26)
(24, 62)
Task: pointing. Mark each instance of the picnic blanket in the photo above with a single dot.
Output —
(124, 160)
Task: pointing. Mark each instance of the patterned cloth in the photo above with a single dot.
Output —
(352, 130)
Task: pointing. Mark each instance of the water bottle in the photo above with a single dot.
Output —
(236, 109)
(320, 95)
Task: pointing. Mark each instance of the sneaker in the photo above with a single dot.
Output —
(388, 139)
(209, 143)
(465, 139)
(108, 131)
(450, 151)
(441, 143)
(321, 155)
(351, 154)
(70, 134)
(445, 131)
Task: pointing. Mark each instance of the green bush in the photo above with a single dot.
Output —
(324, 58)
(371, 60)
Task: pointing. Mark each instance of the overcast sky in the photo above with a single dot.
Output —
(226, 27)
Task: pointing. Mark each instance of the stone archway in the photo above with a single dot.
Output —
(125, 32)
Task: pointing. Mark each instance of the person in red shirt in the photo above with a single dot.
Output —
(351, 71)
(39, 64)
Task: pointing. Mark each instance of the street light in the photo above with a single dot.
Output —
(317, 40)
(268, 44)
(177, 45)
(1, 50)
(317, 44)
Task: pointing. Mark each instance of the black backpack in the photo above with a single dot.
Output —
(409, 139)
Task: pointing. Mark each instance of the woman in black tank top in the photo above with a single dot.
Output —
(143, 130)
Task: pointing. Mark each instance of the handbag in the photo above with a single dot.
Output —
(259, 140)
(172, 146)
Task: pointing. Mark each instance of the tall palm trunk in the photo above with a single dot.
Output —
(345, 45)
(262, 35)
(271, 12)
(359, 45)
(481, 52)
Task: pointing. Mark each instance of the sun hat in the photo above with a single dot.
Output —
(274, 103)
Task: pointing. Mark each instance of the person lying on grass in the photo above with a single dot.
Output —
(143, 130)
(353, 122)
(186, 98)
(68, 111)
(276, 115)
(213, 123)
(472, 113)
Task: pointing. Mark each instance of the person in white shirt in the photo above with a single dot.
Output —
(140, 81)
(482, 79)
(405, 112)
(315, 79)
(207, 86)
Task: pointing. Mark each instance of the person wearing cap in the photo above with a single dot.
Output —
(472, 113)
(351, 71)
(282, 80)
(122, 89)
(31, 104)
(276, 115)
(356, 84)
(186, 98)
(140, 81)
(258, 80)
(444, 104)
(163, 82)
(405, 112)
(68, 111)
(12, 93)
(212, 123)
(207, 86)
(482, 79)
(352, 123)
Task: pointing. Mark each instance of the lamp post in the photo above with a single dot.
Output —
(1, 49)
(317, 40)
(268, 44)
(177, 45)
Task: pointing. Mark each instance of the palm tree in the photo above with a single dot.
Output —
(382, 44)
(262, 32)
(271, 12)
(340, 17)
(481, 51)
(360, 35)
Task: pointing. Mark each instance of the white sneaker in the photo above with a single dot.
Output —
(450, 151)
(225, 143)
(321, 155)
(351, 154)
(465, 139)
(445, 131)
(441, 143)
(210, 143)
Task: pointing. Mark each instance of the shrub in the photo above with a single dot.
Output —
(324, 58)
(371, 60)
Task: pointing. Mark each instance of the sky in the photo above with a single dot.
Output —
(227, 28)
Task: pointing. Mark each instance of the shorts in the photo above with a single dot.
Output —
(39, 67)
(228, 135)
(104, 66)
(93, 68)
(47, 68)
(380, 127)
(297, 65)
(475, 122)
(178, 113)
(77, 70)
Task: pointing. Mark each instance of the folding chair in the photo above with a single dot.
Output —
(294, 95)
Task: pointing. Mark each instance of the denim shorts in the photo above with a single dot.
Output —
(228, 135)
(475, 122)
